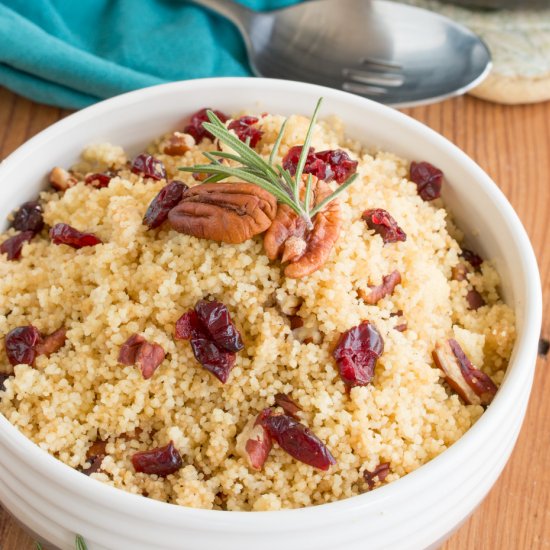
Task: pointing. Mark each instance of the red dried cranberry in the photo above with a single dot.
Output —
(29, 217)
(214, 359)
(341, 165)
(52, 343)
(161, 461)
(14, 245)
(214, 337)
(313, 165)
(189, 326)
(428, 180)
(298, 441)
(472, 258)
(21, 345)
(95, 465)
(99, 180)
(61, 233)
(195, 127)
(168, 197)
(149, 357)
(288, 405)
(218, 324)
(356, 354)
(245, 131)
(149, 166)
(383, 224)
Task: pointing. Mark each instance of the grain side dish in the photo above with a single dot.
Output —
(236, 337)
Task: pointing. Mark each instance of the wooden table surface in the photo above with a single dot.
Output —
(513, 145)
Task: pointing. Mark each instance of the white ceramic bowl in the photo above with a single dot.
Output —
(416, 512)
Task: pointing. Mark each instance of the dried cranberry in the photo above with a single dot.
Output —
(168, 197)
(189, 326)
(313, 165)
(149, 166)
(95, 455)
(383, 224)
(29, 217)
(216, 319)
(428, 180)
(298, 441)
(288, 405)
(214, 359)
(21, 345)
(161, 461)
(128, 350)
(472, 258)
(325, 165)
(61, 233)
(356, 354)
(14, 245)
(245, 131)
(99, 180)
(52, 343)
(340, 163)
(195, 127)
(149, 357)
(214, 337)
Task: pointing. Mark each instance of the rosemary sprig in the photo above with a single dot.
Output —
(252, 168)
(79, 544)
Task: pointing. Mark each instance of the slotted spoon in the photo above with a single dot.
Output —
(392, 53)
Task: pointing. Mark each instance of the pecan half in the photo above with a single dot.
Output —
(178, 144)
(51, 343)
(380, 472)
(472, 385)
(254, 442)
(61, 180)
(389, 282)
(288, 237)
(225, 212)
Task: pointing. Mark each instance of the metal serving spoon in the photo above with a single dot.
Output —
(392, 53)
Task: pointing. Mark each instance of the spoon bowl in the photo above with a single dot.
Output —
(393, 53)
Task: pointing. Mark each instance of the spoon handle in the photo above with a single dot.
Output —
(237, 14)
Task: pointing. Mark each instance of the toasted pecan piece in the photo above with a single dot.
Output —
(61, 180)
(225, 212)
(178, 144)
(389, 282)
(305, 250)
(473, 385)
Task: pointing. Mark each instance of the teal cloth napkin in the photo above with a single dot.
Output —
(72, 53)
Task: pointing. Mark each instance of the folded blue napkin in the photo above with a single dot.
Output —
(72, 53)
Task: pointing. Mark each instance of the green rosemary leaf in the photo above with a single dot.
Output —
(277, 143)
(215, 178)
(307, 142)
(224, 155)
(80, 544)
(38, 546)
(332, 196)
(307, 196)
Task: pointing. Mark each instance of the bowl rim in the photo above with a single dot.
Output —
(519, 373)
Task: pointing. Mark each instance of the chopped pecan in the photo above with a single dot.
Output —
(227, 212)
(178, 144)
(94, 456)
(288, 404)
(137, 351)
(475, 299)
(389, 282)
(306, 250)
(472, 385)
(61, 180)
(459, 272)
(51, 343)
(254, 442)
(381, 472)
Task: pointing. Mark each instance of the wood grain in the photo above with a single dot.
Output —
(512, 144)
